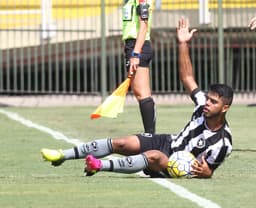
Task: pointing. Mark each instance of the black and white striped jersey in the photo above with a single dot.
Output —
(198, 139)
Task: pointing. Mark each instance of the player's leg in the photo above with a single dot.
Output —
(153, 160)
(97, 148)
(100, 147)
(157, 161)
(152, 154)
(159, 142)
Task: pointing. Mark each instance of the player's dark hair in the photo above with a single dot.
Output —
(224, 91)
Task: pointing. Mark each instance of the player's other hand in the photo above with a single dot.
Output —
(252, 23)
(201, 169)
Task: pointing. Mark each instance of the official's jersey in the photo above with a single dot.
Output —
(131, 22)
(198, 139)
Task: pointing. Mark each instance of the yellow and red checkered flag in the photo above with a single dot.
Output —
(114, 103)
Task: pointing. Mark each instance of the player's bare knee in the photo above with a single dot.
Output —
(156, 156)
(157, 161)
(122, 145)
(118, 144)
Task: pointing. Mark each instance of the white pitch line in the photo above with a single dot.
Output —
(184, 193)
(178, 190)
(55, 134)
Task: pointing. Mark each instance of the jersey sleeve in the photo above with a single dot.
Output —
(199, 100)
(198, 97)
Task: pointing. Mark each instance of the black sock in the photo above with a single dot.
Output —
(148, 113)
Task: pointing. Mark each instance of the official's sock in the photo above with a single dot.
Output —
(98, 148)
(148, 114)
(130, 164)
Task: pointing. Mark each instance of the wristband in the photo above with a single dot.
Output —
(135, 55)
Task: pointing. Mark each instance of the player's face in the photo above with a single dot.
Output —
(214, 106)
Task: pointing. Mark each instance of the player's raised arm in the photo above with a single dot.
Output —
(185, 66)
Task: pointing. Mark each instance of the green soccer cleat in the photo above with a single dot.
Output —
(54, 156)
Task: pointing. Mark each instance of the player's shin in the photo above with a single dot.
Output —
(130, 164)
(98, 148)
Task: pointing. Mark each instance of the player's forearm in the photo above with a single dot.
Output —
(185, 68)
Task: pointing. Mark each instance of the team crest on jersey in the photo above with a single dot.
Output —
(200, 143)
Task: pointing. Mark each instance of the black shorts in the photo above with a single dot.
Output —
(161, 142)
(146, 53)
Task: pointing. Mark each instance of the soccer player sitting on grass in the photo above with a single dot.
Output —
(207, 135)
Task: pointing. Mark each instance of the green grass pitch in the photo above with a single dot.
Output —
(28, 181)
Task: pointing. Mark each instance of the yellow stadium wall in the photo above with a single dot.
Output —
(24, 13)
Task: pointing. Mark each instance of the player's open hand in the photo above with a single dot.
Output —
(201, 169)
(183, 33)
(252, 23)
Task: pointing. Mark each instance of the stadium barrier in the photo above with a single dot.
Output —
(55, 48)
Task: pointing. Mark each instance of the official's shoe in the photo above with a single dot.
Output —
(54, 156)
(93, 165)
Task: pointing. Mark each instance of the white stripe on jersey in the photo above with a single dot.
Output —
(200, 99)
(185, 132)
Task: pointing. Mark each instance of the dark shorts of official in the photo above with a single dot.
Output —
(146, 53)
(161, 142)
